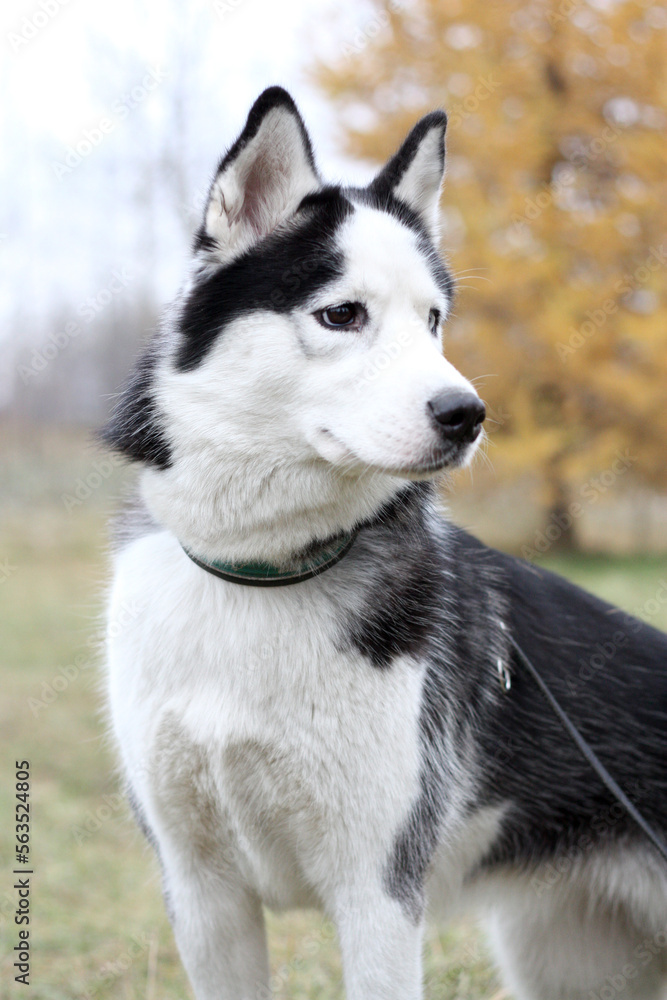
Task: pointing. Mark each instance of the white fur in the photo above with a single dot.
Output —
(272, 763)
(259, 754)
(387, 426)
(593, 931)
(283, 386)
(261, 187)
(421, 183)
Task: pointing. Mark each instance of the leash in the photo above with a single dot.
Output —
(266, 575)
(590, 755)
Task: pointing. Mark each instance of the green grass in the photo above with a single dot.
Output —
(637, 584)
(98, 927)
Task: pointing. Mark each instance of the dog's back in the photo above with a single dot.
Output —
(314, 688)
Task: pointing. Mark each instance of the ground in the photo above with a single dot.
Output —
(98, 927)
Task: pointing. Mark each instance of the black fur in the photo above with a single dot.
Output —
(608, 670)
(135, 428)
(280, 273)
(390, 176)
(384, 201)
(285, 268)
(132, 521)
(380, 193)
(414, 586)
(442, 597)
(406, 593)
(272, 97)
(140, 818)
(424, 603)
(462, 686)
(202, 242)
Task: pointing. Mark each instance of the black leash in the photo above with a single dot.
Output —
(590, 754)
(262, 575)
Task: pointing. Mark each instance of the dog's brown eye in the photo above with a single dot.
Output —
(345, 315)
(434, 320)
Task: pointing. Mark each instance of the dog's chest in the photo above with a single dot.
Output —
(254, 726)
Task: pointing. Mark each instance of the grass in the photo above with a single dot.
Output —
(98, 927)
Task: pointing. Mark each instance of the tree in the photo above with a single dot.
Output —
(557, 195)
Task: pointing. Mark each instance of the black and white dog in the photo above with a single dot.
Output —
(316, 699)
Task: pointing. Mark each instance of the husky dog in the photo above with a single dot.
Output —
(317, 699)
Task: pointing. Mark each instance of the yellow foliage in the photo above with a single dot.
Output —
(554, 214)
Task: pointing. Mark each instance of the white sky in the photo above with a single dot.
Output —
(65, 66)
(259, 42)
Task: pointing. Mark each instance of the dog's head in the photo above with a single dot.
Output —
(306, 343)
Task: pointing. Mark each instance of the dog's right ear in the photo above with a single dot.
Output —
(262, 179)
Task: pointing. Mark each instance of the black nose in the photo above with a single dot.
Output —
(459, 414)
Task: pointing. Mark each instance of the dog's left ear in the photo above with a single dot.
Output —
(415, 173)
(262, 179)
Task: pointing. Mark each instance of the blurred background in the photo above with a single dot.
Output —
(554, 219)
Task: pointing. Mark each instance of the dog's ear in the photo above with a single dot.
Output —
(414, 174)
(262, 179)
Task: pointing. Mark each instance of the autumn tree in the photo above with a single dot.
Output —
(554, 212)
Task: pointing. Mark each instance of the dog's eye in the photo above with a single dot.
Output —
(348, 314)
(434, 320)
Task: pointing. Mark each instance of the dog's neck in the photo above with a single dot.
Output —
(237, 511)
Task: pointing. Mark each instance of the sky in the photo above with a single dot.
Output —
(98, 99)
(50, 50)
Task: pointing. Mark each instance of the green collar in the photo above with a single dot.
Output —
(266, 575)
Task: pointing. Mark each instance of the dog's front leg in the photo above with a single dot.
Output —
(381, 947)
(219, 928)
